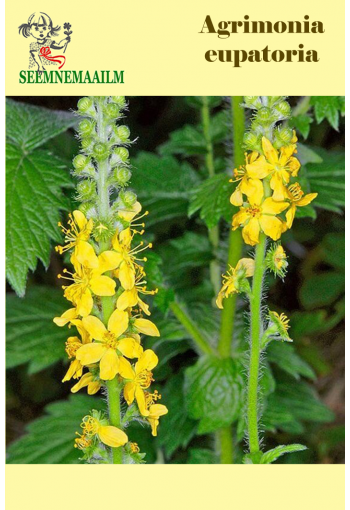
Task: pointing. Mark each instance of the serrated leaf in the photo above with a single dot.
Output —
(177, 427)
(163, 185)
(328, 180)
(302, 124)
(50, 439)
(212, 200)
(321, 289)
(34, 179)
(213, 389)
(285, 357)
(307, 155)
(275, 453)
(328, 107)
(32, 337)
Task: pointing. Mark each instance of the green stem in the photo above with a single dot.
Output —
(255, 334)
(107, 303)
(226, 445)
(192, 329)
(214, 233)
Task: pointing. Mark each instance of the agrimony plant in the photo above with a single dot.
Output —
(105, 289)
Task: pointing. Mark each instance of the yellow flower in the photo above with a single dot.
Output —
(281, 324)
(280, 258)
(75, 369)
(82, 442)
(130, 213)
(231, 280)
(87, 281)
(256, 218)
(66, 317)
(146, 327)
(297, 199)
(76, 236)
(279, 166)
(130, 298)
(93, 384)
(253, 188)
(109, 348)
(140, 378)
(155, 410)
(134, 448)
(109, 435)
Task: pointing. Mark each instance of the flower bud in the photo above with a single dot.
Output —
(276, 260)
(86, 190)
(121, 176)
(80, 161)
(100, 151)
(119, 100)
(272, 100)
(86, 127)
(251, 140)
(283, 136)
(120, 156)
(86, 106)
(87, 143)
(128, 198)
(112, 111)
(253, 102)
(123, 133)
(89, 209)
(264, 115)
(283, 110)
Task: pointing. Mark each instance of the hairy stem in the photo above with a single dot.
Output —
(107, 303)
(214, 233)
(191, 328)
(255, 334)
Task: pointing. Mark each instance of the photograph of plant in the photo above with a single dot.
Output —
(175, 272)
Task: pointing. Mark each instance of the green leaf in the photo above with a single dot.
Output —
(197, 101)
(328, 180)
(307, 155)
(201, 456)
(285, 357)
(50, 439)
(302, 124)
(328, 107)
(34, 179)
(213, 389)
(275, 453)
(163, 185)
(177, 427)
(307, 323)
(32, 337)
(212, 200)
(321, 289)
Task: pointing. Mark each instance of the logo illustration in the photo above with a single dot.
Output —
(41, 28)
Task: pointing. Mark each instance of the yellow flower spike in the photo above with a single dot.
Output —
(77, 236)
(66, 317)
(231, 280)
(256, 218)
(139, 379)
(109, 348)
(86, 282)
(87, 380)
(146, 327)
(155, 412)
(297, 198)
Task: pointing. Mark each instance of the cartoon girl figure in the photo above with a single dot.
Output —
(40, 27)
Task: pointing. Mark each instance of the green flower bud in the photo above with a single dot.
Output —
(119, 100)
(283, 136)
(128, 198)
(86, 127)
(100, 151)
(103, 229)
(272, 100)
(251, 140)
(120, 156)
(123, 132)
(80, 161)
(87, 143)
(264, 115)
(121, 176)
(112, 111)
(89, 209)
(253, 102)
(86, 190)
(283, 109)
(86, 106)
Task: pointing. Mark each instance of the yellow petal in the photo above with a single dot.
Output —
(112, 436)
(94, 327)
(109, 260)
(277, 185)
(118, 322)
(125, 236)
(219, 300)
(109, 365)
(90, 353)
(85, 304)
(146, 327)
(236, 197)
(125, 369)
(66, 317)
(127, 275)
(127, 299)
(84, 381)
(293, 166)
(157, 410)
(270, 152)
(86, 255)
(102, 286)
(75, 368)
(129, 392)
(239, 218)
(248, 264)
(271, 206)
(306, 199)
(129, 347)
(271, 226)
(129, 215)
(254, 189)
(259, 169)
(251, 232)
(79, 219)
(141, 401)
(290, 214)
(93, 387)
(144, 307)
(147, 361)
